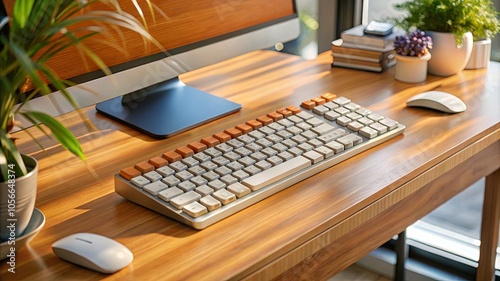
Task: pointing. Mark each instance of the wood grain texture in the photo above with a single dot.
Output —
(489, 228)
(394, 181)
(176, 23)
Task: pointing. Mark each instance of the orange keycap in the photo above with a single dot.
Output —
(158, 161)
(328, 96)
(172, 156)
(294, 109)
(210, 141)
(285, 112)
(244, 128)
(275, 116)
(184, 151)
(265, 120)
(144, 167)
(308, 104)
(319, 101)
(254, 124)
(222, 137)
(197, 146)
(129, 173)
(233, 132)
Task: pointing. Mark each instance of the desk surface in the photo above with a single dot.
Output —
(334, 217)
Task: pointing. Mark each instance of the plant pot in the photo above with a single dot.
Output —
(411, 69)
(447, 57)
(480, 56)
(18, 197)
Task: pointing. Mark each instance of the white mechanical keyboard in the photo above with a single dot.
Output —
(208, 180)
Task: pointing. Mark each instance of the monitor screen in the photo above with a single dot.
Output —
(194, 34)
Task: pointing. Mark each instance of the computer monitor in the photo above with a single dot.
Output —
(144, 90)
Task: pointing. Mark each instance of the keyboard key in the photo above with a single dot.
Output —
(240, 175)
(178, 166)
(263, 165)
(391, 124)
(211, 176)
(210, 203)
(204, 190)
(314, 156)
(379, 128)
(153, 176)
(274, 160)
(171, 181)
(217, 184)
(212, 152)
(185, 151)
(355, 126)
(202, 157)
(190, 161)
(158, 162)
(210, 141)
(195, 209)
(368, 132)
(341, 100)
(129, 173)
(350, 140)
(375, 117)
(184, 199)
(238, 189)
(323, 129)
(252, 170)
(343, 121)
(197, 146)
(155, 187)
(304, 115)
(323, 150)
(172, 156)
(228, 179)
(332, 115)
(198, 180)
(184, 175)
(139, 181)
(335, 146)
(170, 193)
(186, 186)
(224, 196)
(314, 122)
(197, 170)
(276, 173)
(144, 167)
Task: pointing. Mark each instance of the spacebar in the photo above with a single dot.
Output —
(276, 173)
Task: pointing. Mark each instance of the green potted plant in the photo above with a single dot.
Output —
(449, 23)
(412, 55)
(483, 29)
(34, 33)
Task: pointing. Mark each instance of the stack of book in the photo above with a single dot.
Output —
(358, 50)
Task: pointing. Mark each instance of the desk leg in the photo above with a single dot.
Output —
(489, 228)
(401, 257)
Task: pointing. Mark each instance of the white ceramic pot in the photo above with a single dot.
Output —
(18, 197)
(480, 56)
(447, 57)
(411, 69)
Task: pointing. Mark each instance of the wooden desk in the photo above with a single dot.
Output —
(309, 231)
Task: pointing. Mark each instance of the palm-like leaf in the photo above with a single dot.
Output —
(39, 30)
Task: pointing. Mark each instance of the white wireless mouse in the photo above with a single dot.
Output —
(437, 100)
(93, 251)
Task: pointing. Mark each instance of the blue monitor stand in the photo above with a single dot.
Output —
(167, 108)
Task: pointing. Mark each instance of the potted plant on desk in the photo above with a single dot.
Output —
(34, 33)
(449, 23)
(412, 55)
(483, 29)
